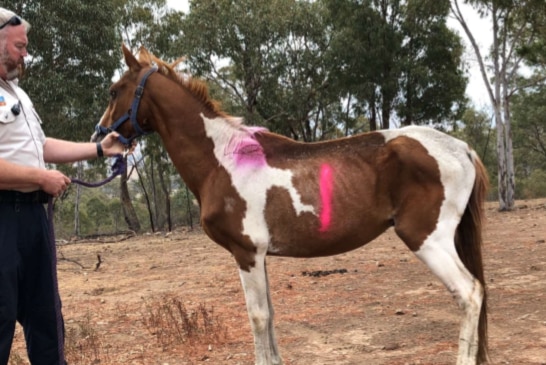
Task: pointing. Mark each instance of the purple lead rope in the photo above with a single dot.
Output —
(118, 168)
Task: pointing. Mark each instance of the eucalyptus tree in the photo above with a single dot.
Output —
(366, 49)
(270, 57)
(433, 82)
(400, 60)
(513, 29)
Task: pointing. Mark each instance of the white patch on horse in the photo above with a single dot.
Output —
(252, 179)
(229, 204)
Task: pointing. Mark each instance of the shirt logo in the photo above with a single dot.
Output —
(2, 101)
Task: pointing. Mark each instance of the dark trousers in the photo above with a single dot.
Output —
(27, 284)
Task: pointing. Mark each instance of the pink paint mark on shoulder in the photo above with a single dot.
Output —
(246, 150)
(326, 193)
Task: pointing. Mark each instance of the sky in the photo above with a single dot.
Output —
(482, 32)
(179, 5)
(480, 28)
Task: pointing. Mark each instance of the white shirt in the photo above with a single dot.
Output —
(21, 136)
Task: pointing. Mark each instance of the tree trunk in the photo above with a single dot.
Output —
(129, 212)
(147, 197)
(501, 163)
(188, 206)
(500, 100)
(79, 173)
(504, 131)
(166, 191)
(508, 146)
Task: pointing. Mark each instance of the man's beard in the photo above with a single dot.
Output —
(12, 68)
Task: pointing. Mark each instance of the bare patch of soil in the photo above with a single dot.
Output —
(375, 305)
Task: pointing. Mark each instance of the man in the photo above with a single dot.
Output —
(28, 287)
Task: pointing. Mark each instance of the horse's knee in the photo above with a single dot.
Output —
(473, 299)
(259, 320)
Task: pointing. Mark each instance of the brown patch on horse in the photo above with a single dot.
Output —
(417, 191)
(371, 213)
(277, 148)
(401, 174)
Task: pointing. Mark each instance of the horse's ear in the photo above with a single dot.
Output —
(144, 57)
(177, 62)
(130, 60)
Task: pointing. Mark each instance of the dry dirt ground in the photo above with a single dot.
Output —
(385, 309)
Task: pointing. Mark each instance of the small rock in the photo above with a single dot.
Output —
(391, 347)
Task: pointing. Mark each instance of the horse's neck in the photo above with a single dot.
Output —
(196, 143)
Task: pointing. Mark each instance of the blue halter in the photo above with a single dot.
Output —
(130, 115)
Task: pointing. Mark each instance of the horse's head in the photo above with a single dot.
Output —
(127, 111)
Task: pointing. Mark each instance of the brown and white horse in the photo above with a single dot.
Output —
(264, 194)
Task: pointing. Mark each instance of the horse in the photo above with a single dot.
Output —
(262, 194)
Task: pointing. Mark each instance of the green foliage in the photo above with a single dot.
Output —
(399, 56)
(276, 67)
(531, 21)
(292, 65)
(529, 133)
(433, 83)
(149, 23)
(532, 186)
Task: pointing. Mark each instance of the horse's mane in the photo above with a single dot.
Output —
(196, 87)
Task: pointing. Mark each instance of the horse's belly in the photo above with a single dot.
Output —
(295, 239)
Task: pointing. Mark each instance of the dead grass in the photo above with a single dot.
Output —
(172, 324)
(167, 319)
(83, 344)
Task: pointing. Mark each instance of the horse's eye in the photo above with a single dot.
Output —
(113, 94)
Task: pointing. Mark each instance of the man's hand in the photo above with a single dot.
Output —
(112, 146)
(54, 182)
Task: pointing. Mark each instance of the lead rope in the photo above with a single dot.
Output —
(119, 167)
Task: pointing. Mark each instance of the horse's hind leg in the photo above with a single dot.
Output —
(438, 252)
(468, 292)
(260, 311)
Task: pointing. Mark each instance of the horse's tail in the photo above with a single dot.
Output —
(469, 241)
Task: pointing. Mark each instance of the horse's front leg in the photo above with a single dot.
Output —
(260, 312)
